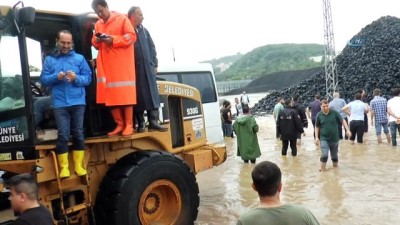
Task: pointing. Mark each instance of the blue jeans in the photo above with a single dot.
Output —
(228, 129)
(327, 147)
(40, 105)
(379, 126)
(394, 128)
(70, 122)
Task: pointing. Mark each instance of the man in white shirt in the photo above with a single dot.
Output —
(277, 108)
(393, 108)
(238, 106)
(356, 110)
(244, 99)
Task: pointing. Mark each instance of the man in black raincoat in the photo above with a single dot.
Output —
(146, 67)
(289, 126)
(301, 110)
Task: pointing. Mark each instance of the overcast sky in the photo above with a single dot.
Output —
(207, 29)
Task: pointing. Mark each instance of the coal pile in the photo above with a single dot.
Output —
(372, 61)
(276, 81)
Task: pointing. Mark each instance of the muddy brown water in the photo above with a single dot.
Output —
(363, 190)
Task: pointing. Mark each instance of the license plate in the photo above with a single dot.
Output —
(5, 156)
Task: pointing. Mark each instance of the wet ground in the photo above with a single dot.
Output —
(363, 190)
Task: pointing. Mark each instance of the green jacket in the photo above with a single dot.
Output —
(246, 129)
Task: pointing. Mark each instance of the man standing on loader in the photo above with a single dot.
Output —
(114, 37)
(67, 73)
(146, 68)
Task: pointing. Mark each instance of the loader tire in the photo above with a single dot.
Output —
(148, 187)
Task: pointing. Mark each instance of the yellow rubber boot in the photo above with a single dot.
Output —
(78, 156)
(63, 162)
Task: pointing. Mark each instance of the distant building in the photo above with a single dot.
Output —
(316, 58)
(223, 66)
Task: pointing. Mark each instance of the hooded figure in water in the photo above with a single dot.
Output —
(246, 129)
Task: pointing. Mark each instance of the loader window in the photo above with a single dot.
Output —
(13, 120)
(176, 123)
(169, 77)
(204, 83)
(11, 94)
(36, 56)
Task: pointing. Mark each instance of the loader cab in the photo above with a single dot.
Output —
(15, 128)
(26, 37)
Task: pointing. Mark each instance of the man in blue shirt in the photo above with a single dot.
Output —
(379, 113)
(67, 74)
(337, 104)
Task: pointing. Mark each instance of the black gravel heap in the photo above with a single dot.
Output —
(370, 60)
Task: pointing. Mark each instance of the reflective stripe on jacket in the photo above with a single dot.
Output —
(116, 77)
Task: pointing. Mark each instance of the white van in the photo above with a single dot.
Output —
(200, 76)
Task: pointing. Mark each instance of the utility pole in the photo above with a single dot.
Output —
(173, 54)
(331, 76)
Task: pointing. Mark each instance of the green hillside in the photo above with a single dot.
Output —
(268, 59)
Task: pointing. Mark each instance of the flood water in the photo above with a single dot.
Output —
(363, 190)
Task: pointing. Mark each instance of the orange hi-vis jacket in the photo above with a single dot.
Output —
(116, 78)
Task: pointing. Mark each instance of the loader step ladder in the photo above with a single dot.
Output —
(65, 184)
